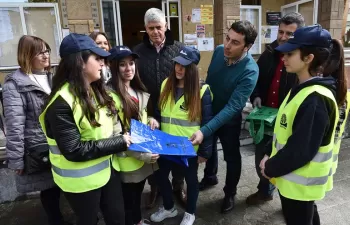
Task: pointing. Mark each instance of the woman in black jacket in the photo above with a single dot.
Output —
(78, 122)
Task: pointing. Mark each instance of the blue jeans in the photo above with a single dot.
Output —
(190, 173)
(264, 186)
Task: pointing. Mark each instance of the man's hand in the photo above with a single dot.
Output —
(201, 160)
(257, 102)
(197, 138)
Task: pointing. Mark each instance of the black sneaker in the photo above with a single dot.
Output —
(207, 183)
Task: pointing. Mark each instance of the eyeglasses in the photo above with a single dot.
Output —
(46, 52)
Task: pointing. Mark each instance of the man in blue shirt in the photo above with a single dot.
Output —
(232, 76)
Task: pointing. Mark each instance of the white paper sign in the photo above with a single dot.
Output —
(205, 44)
(196, 16)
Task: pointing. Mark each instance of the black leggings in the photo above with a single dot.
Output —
(132, 193)
(50, 199)
(108, 198)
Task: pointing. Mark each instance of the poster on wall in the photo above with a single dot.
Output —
(272, 18)
(200, 30)
(268, 34)
(190, 40)
(196, 16)
(173, 9)
(207, 15)
(205, 44)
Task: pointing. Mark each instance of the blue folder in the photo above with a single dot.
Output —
(175, 148)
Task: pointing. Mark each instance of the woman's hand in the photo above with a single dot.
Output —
(201, 160)
(153, 123)
(19, 172)
(154, 158)
(127, 139)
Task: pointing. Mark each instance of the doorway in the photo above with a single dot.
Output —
(123, 20)
(132, 20)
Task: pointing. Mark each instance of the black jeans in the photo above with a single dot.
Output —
(177, 181)
(264, 186)
(190, 173)
(132, 202)
(50, 199)
(229, 137)
(108, 198)
(299, 212)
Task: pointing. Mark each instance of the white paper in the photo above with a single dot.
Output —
(268, 34)
(65, 32)
(196, 16)
(205, 44)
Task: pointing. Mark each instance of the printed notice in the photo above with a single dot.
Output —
(196, 16)
(207, 15)
(205, 44)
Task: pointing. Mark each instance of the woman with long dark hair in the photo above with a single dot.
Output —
(185, 105)
(131, 101)
(301, 161)
(78, 123)
(24, 93)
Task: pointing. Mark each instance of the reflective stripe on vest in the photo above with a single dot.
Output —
(319, 157)
(337, 143)
(180, 122)
(78, 177)
(81, 172)
(310, 181)
(123, 161)
(174, 116)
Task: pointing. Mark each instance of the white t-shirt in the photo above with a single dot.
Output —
(42, 80)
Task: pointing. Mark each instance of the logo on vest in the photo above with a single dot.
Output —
(283, 122)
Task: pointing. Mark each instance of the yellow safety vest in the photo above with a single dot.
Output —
(310, 181)
(126, 163)
(174, 117)
(78, 177)
(337, 144)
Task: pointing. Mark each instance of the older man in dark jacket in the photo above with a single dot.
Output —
(155, 64)
(273, 85)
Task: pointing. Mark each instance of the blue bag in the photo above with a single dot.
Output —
(175, 148)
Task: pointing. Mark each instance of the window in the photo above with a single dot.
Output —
(308, 8)
(252, 13)
(172, 11)
(37, 19)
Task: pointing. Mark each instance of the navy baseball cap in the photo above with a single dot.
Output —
(187, 56)
(313, 35)
(74, 43)
(120, 52)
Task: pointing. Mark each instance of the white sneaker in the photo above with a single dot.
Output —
(188, 219)
(163, 214)
(143, 222)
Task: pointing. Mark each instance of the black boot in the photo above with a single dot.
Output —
(227, 204)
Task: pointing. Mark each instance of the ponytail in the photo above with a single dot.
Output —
(335, 68)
